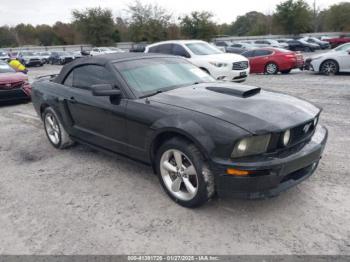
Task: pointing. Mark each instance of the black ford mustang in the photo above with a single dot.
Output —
(201, 136)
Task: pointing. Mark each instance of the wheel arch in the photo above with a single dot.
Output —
(329, 59)
(166, 134)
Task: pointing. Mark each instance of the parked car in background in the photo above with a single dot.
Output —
(334, 42)
(270, 43)
(331, 62)
(15, 55)
(314, 40)
(222, 66)
(29, 58)
(60, 57)
(44, 56)
(273, 60)
(105, 50)
(301, 45)
(4, 56)
(13, 85)
(138, 48)
(202, 137)
(238, 48)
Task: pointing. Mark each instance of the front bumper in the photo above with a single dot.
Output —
(14, 94)
(274, 174)
(230, 75)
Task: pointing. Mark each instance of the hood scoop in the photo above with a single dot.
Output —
(239, 90)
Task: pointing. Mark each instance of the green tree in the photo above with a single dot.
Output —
(294, 16)
(65, 34)
(26, 34)
(337, 17)
(252, 23)
(198, 25)
(7, 37)
(148, 22)
(96, 25)
(45, 35)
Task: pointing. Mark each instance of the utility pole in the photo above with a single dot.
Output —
(315, 16)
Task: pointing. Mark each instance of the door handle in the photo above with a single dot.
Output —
(72, 100)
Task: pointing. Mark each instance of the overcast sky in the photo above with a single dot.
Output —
(13, 12)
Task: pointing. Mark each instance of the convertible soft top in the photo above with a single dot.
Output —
(102, 60)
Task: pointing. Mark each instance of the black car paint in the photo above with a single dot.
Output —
(213, 121)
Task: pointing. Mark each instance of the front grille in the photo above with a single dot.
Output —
(240, 65)
(13, 85)
(299, 136)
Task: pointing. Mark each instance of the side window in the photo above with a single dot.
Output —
(248, 54)
(164, 49)
(86, 76)
(236, 45)
(221, 44)
(69, 80)
(153, 49)
(262, 52)
(180, 51)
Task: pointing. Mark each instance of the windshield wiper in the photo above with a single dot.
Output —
(152, 94)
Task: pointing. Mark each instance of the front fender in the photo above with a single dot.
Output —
(184, 127)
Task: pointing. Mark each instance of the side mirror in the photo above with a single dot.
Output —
(105, 90)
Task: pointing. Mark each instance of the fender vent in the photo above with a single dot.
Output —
(240, 91)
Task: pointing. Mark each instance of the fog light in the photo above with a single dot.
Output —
(286, 137)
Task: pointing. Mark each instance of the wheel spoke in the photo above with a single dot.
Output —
(175, 186)
(50, 120)
(178, 159)
(190, 170)
(169, 167)
(190, 188)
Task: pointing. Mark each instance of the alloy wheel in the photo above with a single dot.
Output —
(179, 174)
(271, 68)
(329, 67)
(52, 128)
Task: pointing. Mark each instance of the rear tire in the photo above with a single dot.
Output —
(271, 68)
(55, 132)
(183, 173)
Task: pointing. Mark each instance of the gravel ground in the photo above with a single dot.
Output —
(80, 201)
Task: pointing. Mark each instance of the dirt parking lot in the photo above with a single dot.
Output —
(80, 201)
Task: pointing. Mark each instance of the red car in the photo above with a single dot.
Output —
(13, 85)
(273, 60)
(338, 41)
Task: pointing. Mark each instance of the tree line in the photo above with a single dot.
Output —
(151, 22)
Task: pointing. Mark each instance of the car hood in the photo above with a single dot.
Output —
(6, 78)
(257, 113)
(224, 58)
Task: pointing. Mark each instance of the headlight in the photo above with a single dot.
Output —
(253, 145)
(315, 121)
(218, 64)
(286, 137)
(316, 57)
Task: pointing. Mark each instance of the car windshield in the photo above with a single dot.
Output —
(303, 41)
(203, 49)
(5, 68)
(154, 75)
(343, 47)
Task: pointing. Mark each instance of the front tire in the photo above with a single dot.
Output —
(329, 67)
(55, 132)
(183, 173)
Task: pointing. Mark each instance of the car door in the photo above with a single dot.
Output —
(261, 57)
(98, 120)
(343, 58)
